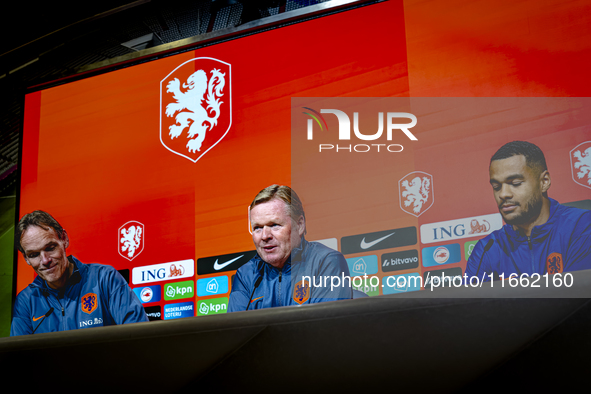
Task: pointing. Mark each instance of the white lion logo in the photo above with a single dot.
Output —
(131, 240)
(191, 100)
(583, 164)
(416, 193)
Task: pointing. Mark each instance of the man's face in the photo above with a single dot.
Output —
(518, 189)
(46, 253)
(274, 233)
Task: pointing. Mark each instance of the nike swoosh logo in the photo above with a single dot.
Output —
(218, 267)
(37, 318)
(365, 245)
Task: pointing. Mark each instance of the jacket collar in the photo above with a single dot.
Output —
(80, 271)
(296, 256)
(538, 232)
(298, 253)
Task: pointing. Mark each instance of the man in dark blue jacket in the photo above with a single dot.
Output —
(288, 270)
(66, 294)
(541, 236)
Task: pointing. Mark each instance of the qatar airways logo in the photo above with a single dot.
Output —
(390, 123)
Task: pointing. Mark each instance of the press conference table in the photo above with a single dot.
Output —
(447, 340)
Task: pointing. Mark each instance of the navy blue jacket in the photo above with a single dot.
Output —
(561, 244)
(311, 261)
(95, 295)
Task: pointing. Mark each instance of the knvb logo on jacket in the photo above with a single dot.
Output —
(394, 122)
(131, 239)
(195, 107)
(89, 303)
(416, 193)
(461, 228)
(301, 291)
(554, 263)
(580, 159)
(165, 271)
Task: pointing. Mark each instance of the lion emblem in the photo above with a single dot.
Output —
(476, 227)
(131, 239)
(174, 271)
(416, 192)
(189, 106)
(554, 263)
(583, 164)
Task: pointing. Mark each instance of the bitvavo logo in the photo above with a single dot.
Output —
(345, 130)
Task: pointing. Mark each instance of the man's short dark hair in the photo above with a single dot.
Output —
(534, 157)
(40, 219)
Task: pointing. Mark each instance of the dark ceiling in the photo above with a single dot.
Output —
(53, 40)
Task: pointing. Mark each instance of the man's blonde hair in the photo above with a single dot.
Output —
(285, 194)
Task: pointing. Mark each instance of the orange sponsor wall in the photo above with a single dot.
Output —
(94, 156)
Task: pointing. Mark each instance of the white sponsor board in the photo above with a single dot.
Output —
(475, 226)
(166, 271)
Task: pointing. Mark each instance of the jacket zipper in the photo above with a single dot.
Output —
(531, 253)
(280, 301)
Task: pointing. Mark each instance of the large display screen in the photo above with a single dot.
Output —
(156, 183)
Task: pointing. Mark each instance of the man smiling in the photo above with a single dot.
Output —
(541, 236)
(275, 277)
(66, 294)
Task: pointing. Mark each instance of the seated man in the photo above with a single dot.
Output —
(66, 294)
(285, 265)
(541, 236)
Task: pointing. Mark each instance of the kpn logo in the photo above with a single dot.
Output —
(212, 306)
(179, 290)
(369, 129)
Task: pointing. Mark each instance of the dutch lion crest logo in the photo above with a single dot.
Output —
(580, 158)
(89, 303)
(301, 291)
(131, 239)
(195, 108)
(416, 193)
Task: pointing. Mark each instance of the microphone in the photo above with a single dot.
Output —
(256, 284)
(488, 245)
(48, 313)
